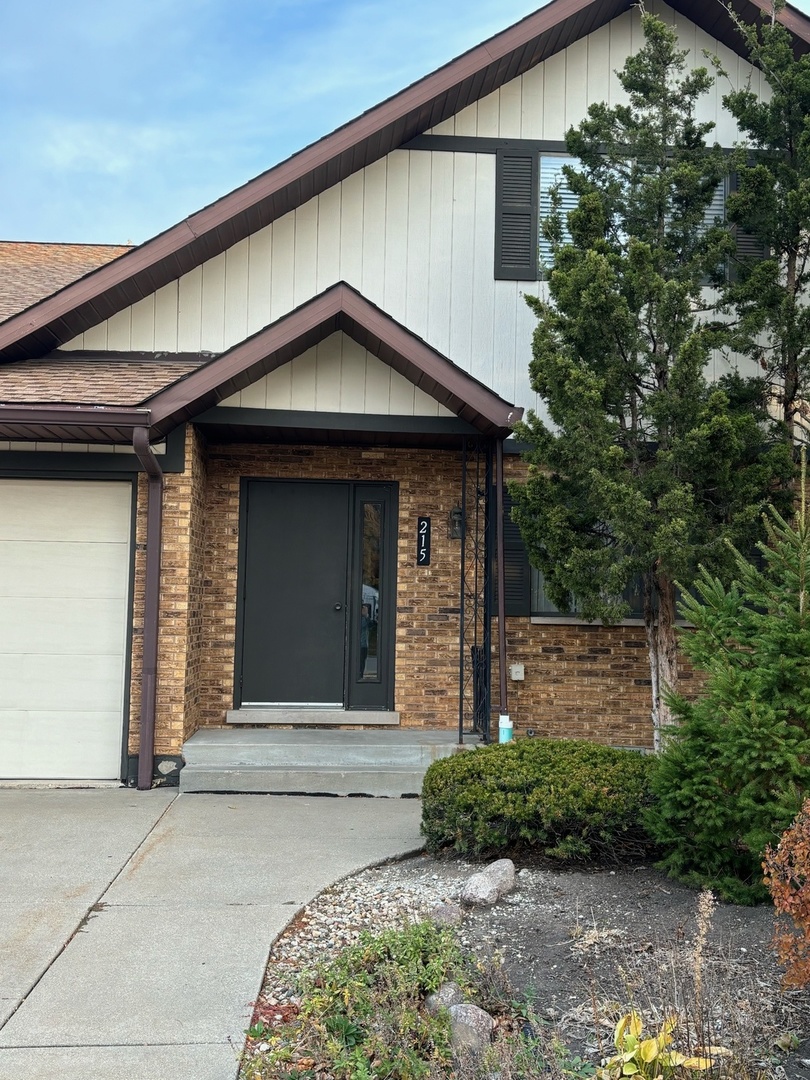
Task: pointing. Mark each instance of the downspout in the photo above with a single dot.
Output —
(504, 709)
(151, 605)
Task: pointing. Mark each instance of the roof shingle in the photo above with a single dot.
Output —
(30, 272)
(96, 382)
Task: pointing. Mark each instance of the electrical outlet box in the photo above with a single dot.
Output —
(517, 672)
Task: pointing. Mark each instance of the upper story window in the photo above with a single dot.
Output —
(524, 181)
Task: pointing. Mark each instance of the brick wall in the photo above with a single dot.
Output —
(581, 681)
(181, 626)
(426, 658)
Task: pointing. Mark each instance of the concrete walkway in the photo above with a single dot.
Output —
(135, 926)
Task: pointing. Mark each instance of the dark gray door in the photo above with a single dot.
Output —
(295, 591)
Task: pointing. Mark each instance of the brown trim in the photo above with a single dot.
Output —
(370, 137)
(87, 415)
(499, 541)
(338, 308)
(151, 606)
(70, 423)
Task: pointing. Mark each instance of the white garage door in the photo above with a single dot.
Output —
(64, 598)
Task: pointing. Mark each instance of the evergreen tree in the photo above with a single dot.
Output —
(772, 206)
(645, 465)
(737, 767)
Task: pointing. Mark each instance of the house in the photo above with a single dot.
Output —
(252, 471)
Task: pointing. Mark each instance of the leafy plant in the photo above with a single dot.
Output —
(568, 799)
(653, 1058)
(787, 877)
(362, 1014)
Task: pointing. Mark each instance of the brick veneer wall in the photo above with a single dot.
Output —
(581, 681)
(427, 598)
(181, 624)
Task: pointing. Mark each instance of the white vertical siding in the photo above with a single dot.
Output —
(414, 233)
(338, 375)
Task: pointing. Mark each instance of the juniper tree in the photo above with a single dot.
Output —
(644, 465)
(771, 208)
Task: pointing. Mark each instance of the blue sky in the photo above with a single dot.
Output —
(122, 118)
(119, 119)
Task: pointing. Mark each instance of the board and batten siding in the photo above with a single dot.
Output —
(414, 232)
(554, 95)
(340, 376)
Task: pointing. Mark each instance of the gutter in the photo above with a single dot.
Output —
(154, 518)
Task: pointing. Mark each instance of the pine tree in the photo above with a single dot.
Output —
(644, 465)
(771, 208)
(736, 769)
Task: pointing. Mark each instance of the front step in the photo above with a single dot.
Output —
(379, 762)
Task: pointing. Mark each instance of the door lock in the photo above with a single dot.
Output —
(338, 607)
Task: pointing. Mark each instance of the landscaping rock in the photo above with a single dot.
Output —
(502, 873)
(470, 1028)
(490, 884)
(448, 994)
(446, 915)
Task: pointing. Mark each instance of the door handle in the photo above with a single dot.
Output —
(338, 607)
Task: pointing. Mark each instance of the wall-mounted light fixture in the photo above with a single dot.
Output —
(456, 523)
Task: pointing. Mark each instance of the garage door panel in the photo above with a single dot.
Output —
(62, 568)
(34, 681)
(63, 745)
(64, 596)
(89, 510)
(59, 625)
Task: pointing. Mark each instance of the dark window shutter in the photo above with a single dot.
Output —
(516, 199)
(517, 572)
(748, 246)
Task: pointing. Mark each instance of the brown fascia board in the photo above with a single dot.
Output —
(339, 308)
(112, 287)
(70, 423)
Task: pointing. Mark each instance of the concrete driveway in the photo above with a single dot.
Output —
(135, 926)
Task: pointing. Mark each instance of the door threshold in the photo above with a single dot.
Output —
(319, 716)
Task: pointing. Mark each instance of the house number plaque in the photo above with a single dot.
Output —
(423, 541)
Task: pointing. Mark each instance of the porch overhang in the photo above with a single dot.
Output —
(339, 308)
(196, 396)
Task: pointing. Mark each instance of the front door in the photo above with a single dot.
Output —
(317, 595)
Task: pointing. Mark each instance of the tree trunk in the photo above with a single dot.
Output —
(659, 626)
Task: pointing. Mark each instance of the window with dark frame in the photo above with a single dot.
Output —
(525, 178)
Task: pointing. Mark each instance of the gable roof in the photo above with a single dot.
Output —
(357, 144)
(30, 272)
(202, 386)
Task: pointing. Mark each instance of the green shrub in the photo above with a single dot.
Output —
(737, 767)
(568, 799)
(362, 1014)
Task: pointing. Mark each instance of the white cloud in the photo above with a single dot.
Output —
(102, 146)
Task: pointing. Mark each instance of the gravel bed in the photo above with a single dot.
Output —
(375, 899)
(557, 935)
